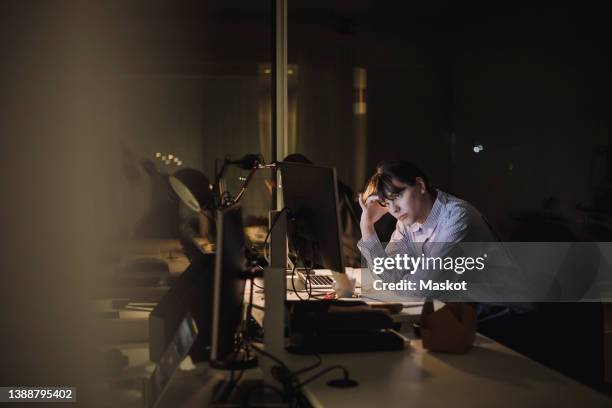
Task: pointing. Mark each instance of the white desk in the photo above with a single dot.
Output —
(489, 375)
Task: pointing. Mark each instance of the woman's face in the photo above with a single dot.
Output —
(407, 205)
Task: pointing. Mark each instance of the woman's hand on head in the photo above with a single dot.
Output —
(371, 211)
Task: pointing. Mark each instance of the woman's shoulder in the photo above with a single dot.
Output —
(455, 207)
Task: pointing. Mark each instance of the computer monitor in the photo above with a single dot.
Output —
(229, 284)
(169, 361)
(191, 293)
(310, 194)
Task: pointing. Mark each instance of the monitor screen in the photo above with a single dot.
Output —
(170, 360)
(229, 282)
(310, 194)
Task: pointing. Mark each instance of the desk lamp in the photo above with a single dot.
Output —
(196, 191)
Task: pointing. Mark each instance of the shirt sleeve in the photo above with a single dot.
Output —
(453, 229)
(371, 248)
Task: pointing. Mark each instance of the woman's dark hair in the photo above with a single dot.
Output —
(400, 170)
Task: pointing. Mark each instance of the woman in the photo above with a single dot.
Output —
(429, 221)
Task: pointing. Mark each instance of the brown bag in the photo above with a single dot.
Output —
(451, 329)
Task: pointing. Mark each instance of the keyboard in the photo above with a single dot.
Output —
(318, 281)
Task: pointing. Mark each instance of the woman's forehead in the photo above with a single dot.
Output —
(400, 185)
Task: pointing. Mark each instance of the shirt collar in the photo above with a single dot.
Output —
(432, 219)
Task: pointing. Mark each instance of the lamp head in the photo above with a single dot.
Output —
(193, 188)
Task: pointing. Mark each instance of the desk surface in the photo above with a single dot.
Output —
(490, 374)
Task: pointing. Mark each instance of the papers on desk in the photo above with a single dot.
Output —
(393, 299)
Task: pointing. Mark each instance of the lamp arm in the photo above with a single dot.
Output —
(219, 184)
(244, 185)
(249, 177)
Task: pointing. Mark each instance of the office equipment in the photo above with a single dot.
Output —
(335, 326)
(488, 374)
(229, 283)
(193, 188)
(197, 192)
(310, 194)
(319, 279)
(176, 351)
(190, 293)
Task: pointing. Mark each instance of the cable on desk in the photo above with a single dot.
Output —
(308, 267)
(310, 367)
(268, 355)
(293, 280)
(293, 388)
(247, 396)
(271, 228)
(257, 286)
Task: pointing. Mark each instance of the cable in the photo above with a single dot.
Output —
(229, 388)
(310, 367)
(246, 399)
(293, 280)
(270, 356)
(324, 371)
(312, 263)
(298, 258)
(292, 389)
(270, 230)
(289, 380)
(245, 358)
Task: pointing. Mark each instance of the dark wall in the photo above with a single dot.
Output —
(531, 86)
(529, 82)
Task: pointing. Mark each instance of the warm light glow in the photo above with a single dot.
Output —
(267, 70)
(170, 157)
(290, 72)
(158, 154)
(163, 158)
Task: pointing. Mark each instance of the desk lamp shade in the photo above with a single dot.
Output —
(193, 188)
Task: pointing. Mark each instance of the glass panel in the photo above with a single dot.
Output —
(191, 91)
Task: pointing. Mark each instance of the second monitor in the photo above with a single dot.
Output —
(310, 194)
